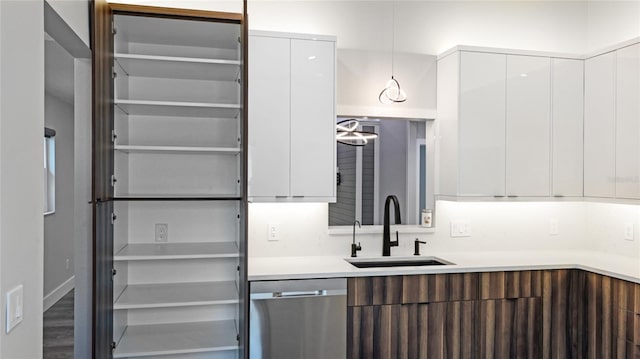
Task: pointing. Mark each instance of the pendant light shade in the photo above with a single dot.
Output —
(392, 93)
(347, 134)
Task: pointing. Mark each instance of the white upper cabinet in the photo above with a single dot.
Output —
(313, 143)
(269, 114)
(528, 126)
(291, 117)
(510, 124)
(567, 127)
(599, 126)
(627, 126)
(481, 126)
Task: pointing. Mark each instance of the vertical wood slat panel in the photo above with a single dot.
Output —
(529, 333)
(360, 332)
(509, 328)
(600, 333)
(519, 284)
(563, 314)
(439, 287)
(486, 329)
(592, 337)
(374, 290)
(577, 317)
(427, 331)
(492, 285)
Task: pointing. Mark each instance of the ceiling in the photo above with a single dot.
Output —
(58, 74)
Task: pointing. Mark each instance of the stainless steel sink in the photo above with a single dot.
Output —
(387, 262)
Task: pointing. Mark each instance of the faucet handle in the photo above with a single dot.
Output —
(416, 246)
(355, 248)
(394, 243)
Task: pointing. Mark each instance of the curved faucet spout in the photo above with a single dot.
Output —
(387, 243)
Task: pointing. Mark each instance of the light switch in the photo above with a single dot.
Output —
(628, 231)
(273, 232)
(460, 229)
(14, 307)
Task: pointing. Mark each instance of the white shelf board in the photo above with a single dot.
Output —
(177, 338)
(175, 149)
(177, 32)
(178, 67)
(177, 197)
(137, 296)
(164, 251)
(178, 109)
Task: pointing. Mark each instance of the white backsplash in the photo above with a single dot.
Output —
(495, 226)
(605, 228)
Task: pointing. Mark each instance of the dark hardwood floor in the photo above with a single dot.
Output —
(58, 329)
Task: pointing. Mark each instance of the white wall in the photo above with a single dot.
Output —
(430, 27)
(611, 22)
(209, 5)
(494, 225)
(76, 14)
(605, 228)
(82, 224)
(362, 74)
(58, 227)
(21, 159)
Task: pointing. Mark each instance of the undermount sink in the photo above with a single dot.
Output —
(397, 262)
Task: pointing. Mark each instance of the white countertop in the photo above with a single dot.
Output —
(277, 268)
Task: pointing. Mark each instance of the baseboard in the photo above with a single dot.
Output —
(57, 294)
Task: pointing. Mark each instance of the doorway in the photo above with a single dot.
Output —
(67, 263)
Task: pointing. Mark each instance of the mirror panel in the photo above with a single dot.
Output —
(399, 162)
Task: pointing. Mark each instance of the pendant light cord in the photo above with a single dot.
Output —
(393, 33)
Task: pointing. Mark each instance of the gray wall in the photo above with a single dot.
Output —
(58, 227)
(343, 212)
(417, 131)
(21, 182)
(368, 179)
(393, 164)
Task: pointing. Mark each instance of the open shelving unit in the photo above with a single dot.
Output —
(138, 296)
(155, 251)
(178, 162)
(177, 338)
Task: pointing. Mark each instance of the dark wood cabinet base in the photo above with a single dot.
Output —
(528, 314)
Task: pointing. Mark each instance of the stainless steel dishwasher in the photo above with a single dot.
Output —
(298, 319)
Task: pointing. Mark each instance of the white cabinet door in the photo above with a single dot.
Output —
(528, 126)
(447, 124)
(269, 114)
(481, 167)
(567, 127)
(313, 118)
(599, 126)
(628, 122)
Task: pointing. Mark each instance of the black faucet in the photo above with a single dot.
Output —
(355, 247)
(387, 243)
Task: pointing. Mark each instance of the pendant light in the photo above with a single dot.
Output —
(347, 134)
(392, 93)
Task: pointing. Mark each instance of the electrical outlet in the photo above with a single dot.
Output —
(460, 229)
(553, 227)
(628, 231)
(67, 264)
(15, 307)
(162, 232)
(273, 232)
